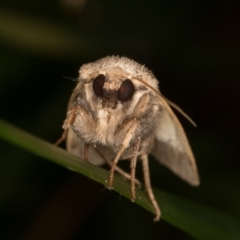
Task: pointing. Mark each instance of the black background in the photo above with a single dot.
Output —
(193, 48)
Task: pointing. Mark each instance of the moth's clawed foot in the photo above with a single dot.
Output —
(109, 184)
(110, 179)
(59, 141)
(158, 213)
(157, 218)
(133, 194)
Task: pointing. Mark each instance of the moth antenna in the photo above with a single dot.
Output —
(172, 104)
(175, 106)
(73, 79)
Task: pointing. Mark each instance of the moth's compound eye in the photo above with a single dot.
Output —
(98, 85)
(126, 90)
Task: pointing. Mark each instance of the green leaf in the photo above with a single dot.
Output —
(195, 219)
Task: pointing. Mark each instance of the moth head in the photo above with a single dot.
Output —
(115, 82)
(112, 88)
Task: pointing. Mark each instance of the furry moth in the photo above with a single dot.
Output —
(117, 112)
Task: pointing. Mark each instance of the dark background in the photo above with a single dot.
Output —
(193, 48)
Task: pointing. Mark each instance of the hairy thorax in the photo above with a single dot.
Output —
(103, 128)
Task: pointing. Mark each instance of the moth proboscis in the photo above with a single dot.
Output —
(117, 112)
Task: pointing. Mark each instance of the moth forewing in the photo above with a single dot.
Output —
(115, 112)
(171, 147)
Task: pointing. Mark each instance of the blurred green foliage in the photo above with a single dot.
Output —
(195, 219)
(193, 49)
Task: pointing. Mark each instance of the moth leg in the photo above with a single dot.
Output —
(148, 187)
(71, 115)
(85, 155)
(124, 145)
(127, 176)
(133, 168)
(119, 170)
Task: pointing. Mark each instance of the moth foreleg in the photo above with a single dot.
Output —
(71, 115)
(118, 169)
(85, 154)
(133, 168)
(124, 145)
(148, 187)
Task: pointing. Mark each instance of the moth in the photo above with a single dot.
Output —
(117, 112)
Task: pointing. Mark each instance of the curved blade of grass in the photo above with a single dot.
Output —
(197, 220)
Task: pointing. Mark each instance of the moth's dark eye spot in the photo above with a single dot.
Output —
(126, 91)
(98, 85)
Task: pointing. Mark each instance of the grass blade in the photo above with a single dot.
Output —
(195, 219)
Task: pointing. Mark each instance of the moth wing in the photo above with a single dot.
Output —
(75, 145)
(171, 147)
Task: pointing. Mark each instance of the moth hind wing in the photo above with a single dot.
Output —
(171, 147)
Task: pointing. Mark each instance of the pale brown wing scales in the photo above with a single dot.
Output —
(171, 147)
